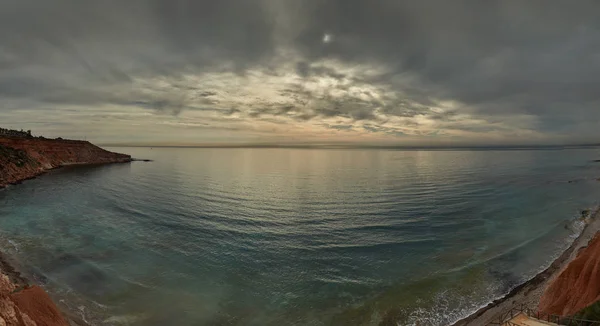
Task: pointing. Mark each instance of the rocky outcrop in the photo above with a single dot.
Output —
(577, 286)
(25, 158)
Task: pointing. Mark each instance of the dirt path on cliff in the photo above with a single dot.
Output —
(529, 293)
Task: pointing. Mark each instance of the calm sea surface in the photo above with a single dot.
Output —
(295, 236)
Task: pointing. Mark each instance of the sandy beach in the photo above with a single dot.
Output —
(529, 293)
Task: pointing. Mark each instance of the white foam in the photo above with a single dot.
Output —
(14, 244)
(82, 314)
(123, 320)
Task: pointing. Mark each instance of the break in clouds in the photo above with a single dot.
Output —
(325, 71)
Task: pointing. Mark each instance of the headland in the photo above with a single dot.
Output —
(23, 157)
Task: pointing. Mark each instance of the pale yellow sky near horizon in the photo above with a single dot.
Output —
(231, 108)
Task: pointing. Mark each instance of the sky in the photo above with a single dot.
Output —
(369, 72)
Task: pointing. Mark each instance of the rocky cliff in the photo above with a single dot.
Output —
(577, 286)
(24, 158)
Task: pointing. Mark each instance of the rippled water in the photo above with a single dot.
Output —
(294, 236)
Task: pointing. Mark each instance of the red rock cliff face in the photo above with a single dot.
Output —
(33, 303)
(27, 306)
(15, 165)
(577, 286)
(24, 158)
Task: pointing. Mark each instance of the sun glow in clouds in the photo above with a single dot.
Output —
(327, 38)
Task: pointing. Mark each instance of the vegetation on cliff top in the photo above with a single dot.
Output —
(15, 156)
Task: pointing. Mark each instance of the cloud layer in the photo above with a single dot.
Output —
(368, 72)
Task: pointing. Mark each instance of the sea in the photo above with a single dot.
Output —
(275, 236)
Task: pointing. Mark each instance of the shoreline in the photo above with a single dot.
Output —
(62, 166)
(14, 268)
(43, 172)
(529, 293)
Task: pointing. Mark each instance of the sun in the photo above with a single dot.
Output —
(327, 38)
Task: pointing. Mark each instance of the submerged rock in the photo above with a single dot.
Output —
(586, 213)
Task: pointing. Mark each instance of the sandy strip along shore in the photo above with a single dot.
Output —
(529, 293)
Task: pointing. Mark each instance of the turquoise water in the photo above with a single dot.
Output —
(296, 236)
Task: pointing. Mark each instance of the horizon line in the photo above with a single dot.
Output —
(357, 146)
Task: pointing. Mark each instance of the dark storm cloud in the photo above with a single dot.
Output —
(197, 32)
(497, 60)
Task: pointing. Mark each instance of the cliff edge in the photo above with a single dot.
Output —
(25, 158)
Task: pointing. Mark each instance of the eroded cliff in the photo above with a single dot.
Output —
(23, 305)
(577, 286)
(24, 158)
